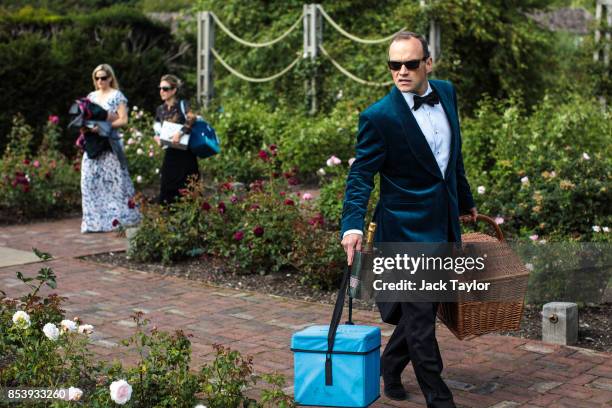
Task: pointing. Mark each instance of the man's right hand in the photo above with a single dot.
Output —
(350, 243)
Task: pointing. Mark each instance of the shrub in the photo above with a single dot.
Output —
(254, 230)
(45, 184)
(547, 173)
(143, 154)
(40, 348)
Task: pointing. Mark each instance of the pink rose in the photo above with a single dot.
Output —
(53, 119)
(36, 164)
(238, 235)
(307, 197)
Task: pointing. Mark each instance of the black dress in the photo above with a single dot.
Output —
(178, 164)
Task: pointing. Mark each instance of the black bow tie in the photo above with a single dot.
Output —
(431, 99)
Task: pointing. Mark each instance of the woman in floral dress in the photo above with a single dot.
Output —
(106, 187)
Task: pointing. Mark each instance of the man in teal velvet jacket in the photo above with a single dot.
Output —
(411, 138)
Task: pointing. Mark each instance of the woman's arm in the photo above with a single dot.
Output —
(122, 119)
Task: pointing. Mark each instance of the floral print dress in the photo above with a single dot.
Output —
(106, 187)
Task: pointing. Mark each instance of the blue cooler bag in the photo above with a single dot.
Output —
(337, 366)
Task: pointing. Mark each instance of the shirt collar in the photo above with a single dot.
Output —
(409, 96)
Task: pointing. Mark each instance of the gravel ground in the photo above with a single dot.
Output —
(595, 325)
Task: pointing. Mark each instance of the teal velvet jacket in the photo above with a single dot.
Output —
(416, 203)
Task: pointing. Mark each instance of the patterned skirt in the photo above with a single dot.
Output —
(106, 189)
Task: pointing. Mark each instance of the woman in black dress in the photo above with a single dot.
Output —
(178, 164)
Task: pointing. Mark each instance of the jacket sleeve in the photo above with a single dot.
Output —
(369, 158)
(464, 193)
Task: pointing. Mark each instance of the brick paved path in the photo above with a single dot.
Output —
(490, 371)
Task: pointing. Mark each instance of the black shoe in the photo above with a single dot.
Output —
(395, 391)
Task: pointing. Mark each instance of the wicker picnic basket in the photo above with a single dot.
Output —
(475, 315)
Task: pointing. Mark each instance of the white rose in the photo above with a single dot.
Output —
(120, 391)
(21, 319)
(200, 406)
(321, 171)
(481, 189)
(499, 220)
(139, 179)
(529, 266)
(68, 325)
(74, 394)
(596, 228)
(585, 156)
(525, 180)
(351, 161)
(86, 329)
(606, 229)
(51, 331)
(135, 108)
(156, 171)
(139, 151)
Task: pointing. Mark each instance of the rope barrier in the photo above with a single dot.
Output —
(351, 76)
(251, 79)
(252, 44)
(350, 36)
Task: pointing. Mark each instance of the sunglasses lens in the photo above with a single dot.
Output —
(397, 65)
(102, 78)
(165, 88)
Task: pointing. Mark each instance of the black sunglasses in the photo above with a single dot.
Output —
(411, 65)
(101, 78)
(166, 88)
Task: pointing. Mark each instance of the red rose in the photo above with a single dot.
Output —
(293, 181)
(289, 201)
(221, 207)
(273, 147)
(183, 191)
(205, 206)
(26, 162)
(263, 155)
(258, 231)
(115, 222)
(282, 193)
(131, 204)
(238, 235)
(53, 119)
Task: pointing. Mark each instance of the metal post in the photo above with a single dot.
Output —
(206, 41)
(434, 40)
(313, 36)
(603, 12)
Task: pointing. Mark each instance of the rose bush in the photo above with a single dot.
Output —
(39, 347)
(259, 228)
(40, 183)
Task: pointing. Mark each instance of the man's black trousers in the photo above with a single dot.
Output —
(414, 339)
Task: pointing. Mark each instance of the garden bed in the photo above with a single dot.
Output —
(595, 323)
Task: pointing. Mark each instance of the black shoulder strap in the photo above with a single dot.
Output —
(333, 326)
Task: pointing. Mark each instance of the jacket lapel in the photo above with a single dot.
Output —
(416, 139)
(451, 115)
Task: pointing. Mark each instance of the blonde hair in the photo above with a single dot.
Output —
(109, 71)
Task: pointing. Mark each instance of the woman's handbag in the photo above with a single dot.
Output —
(203, 141)
(469, 317)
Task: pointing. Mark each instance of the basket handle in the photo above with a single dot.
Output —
(480, 217)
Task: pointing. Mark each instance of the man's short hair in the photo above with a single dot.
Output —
(406, 35)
